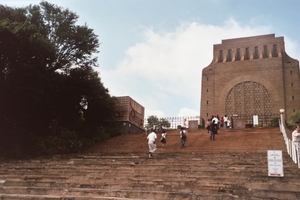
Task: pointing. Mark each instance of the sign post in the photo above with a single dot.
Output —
(275, 164)
(255, 120)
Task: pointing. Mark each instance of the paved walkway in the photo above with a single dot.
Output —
(236, 140)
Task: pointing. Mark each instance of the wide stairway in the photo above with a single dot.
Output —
(203, 174)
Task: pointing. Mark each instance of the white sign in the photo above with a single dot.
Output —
(255, 120)
(275, 164)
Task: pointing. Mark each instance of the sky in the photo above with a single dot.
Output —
(154, 51)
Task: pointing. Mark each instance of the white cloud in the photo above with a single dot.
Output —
(157, 113)
(163, 72)
(186, 112)
(291, 48)
(20, 3)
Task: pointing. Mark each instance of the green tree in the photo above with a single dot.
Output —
(22, 51)
(295, 118)
(154, 122)
(75, 44)
(164, 123)
(47, 84)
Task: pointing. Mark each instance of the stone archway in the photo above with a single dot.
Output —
(247, 99)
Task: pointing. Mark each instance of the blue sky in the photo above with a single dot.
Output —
(154, 51)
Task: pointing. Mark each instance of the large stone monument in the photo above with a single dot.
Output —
(250, 76)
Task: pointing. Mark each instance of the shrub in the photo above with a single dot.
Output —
(295, 118)
(274, 122)
(66, 141)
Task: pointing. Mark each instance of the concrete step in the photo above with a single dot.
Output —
(202, 175)
(204, 192)
(196, 172)
(65, 197)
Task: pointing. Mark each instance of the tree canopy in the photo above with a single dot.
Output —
(154, 122)
(47, 83)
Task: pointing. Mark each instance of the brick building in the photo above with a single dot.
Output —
(129, 115)
(250, 76)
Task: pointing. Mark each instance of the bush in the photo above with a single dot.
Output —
(101, 134)
(66, 141)
(275, 122)
(295, 118)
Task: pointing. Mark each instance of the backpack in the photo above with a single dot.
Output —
(183, 136)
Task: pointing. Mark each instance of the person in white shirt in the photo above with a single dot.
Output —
(151, 143)
(296, 136)
(225, 118)
(215, 122)
(228, 123)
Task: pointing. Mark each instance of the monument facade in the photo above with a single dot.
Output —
(250, 76)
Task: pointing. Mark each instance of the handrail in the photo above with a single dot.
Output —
(292, 149)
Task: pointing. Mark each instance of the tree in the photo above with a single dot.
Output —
(165, 123)
(75, 44)
(47, 83)
(154, 122)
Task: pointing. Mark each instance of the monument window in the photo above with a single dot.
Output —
(247, 55)
(291, 71)
(255, 56)
(206, 90)
(293, 98)
(265, 53)
(292, 84)
(220, 59)
(206, 102)
(238, 54)
(207, 78)
(274, 51)
(249, 98)
(228, 59)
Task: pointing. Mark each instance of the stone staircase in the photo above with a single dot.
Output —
(169, 175)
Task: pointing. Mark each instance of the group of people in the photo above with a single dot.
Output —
(152, 140)
(212, 126)
(214, 123)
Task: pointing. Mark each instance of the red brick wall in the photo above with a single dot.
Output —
(130, 112)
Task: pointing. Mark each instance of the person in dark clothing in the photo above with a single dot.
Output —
(207, 125)
(182, 137)
(212, 131)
